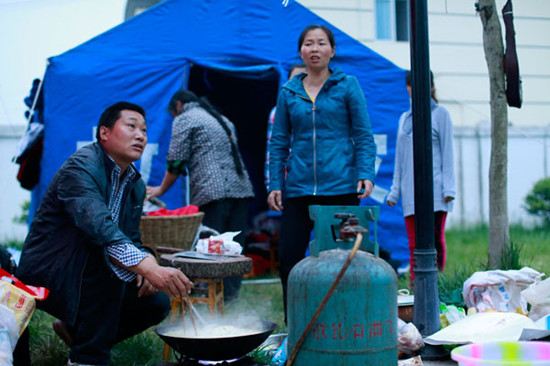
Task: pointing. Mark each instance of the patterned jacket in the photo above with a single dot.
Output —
(203, 146)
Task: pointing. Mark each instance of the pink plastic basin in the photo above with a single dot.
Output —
(503, 354)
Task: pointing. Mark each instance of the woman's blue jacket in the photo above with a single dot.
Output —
(325, 145)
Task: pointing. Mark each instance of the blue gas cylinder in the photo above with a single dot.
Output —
(358, 325)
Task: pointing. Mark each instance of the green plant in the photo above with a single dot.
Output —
(12, 243)
(511, 256)
(450, 285)
(538, 200)
(46, 347)
(24, 217)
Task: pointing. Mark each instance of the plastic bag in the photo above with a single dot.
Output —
(19, 298)
(409, 338)
(450, 314)
(280, 356)
(415, 361)
(538, 295)
(483, 327)
(220, 244)
(499, 290)
(9, 335)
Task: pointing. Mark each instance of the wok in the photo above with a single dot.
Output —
(215, 349)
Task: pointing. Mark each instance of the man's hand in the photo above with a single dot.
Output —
(145, 287)
(275, 200)
(170, 280)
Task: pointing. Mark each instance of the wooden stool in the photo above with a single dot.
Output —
(210, 272)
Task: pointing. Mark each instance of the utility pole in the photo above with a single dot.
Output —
(426, 296)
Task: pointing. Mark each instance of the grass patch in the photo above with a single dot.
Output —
(466, 253)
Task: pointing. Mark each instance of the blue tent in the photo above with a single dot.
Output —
(235, 52)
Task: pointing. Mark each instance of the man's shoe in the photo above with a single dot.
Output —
(61, 330)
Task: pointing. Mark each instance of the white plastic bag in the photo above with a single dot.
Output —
(499, 290)
(220, 244)
(409, 339)
(483, 327)
(538, 295)
(9, 335)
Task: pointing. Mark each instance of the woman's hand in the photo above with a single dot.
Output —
(275, 200)
(367, 185)
(448, 199)
(153, 192)
(167, 182)
(390, 203)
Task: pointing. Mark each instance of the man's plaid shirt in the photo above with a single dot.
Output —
(127, 253)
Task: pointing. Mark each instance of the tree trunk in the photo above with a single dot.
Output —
(499, 237)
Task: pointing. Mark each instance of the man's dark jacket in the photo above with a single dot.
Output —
(73, 223)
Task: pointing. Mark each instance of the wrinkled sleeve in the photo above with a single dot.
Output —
(365, 148)
(81, 197)
(395, 190)
(447, 154)
(180, 142)
(280, 144)
(128, 255)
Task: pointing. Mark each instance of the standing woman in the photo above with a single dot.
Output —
(322, 121)
(443, 174)
(205, 143)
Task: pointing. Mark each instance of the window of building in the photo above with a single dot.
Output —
(392, 20)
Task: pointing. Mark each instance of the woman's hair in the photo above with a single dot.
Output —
(325, 29)
(187, 96)
(408, 79)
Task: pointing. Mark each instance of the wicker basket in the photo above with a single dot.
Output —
(170, 231)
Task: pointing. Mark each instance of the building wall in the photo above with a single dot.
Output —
(457, 60)
(12, 196)
(456, 53)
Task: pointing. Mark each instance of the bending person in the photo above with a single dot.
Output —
(205, 143)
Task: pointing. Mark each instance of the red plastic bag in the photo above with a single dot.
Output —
(182, 211)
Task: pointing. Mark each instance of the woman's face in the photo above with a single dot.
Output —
(316, 50)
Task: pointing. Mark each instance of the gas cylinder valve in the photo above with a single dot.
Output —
(348, 228)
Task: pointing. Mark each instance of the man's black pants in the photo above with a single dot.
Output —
(110, 312)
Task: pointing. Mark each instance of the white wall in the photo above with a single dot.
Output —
(458, 61)
(528, 161)
(31, 31)
(11, 194)
(456, 53)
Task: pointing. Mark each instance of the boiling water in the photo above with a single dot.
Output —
(211, 331)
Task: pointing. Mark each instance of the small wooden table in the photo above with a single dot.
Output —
(208, 272)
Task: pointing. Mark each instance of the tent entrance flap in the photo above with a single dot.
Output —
(247, 102)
